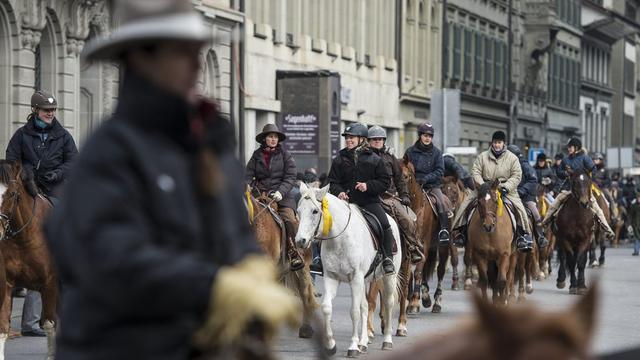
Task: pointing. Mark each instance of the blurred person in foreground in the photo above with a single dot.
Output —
(151, 241)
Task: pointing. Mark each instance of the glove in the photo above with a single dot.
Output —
(51, 176)
(276, 195)
(504, 191)
(468, 183)
(546, 180)
(242, 295)
(406, 201)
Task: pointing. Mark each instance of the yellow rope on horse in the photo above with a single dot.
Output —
(543, 205)
(250, 210)
(500, 204)
(326, 215)
(595, 189)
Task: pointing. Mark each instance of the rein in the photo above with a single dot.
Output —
(315, 233)
(8, 233)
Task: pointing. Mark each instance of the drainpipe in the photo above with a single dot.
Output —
(510, 96)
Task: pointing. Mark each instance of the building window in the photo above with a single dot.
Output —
(468, 54)
(457, 51)
(488, 61)
(498, 72)
(479, 60)
(38, 69)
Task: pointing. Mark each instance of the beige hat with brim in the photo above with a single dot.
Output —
(148, 26)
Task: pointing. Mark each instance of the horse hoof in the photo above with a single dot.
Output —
(529, 289)
(595, 264)
(371, 335)
(426, 302)
(305, 331)
(387, 346)
(362, 348)
(401, 332)
(353, 353)
(582, 291)
(560, 284)
(455, 286)
(332, 351)
(573, 291)
(436, 309)
(542, 275)
(413, 310)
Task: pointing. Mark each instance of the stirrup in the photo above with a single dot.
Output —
(415, 255)
(524, 243)
(443, 236)
(388, 267)
(296, 263)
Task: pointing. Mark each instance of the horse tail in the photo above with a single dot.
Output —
(430, 264)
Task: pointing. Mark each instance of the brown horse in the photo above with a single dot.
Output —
(599, 239)
(269, 235)
(514, 333)
(426, 229)
(573, 230)
(26, 261)
(454, 190)
(489, 241)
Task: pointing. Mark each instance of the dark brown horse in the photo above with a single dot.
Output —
(426, 229)
(490, 237)
(26, 261)
(513, 333)
(269, 235)
(573, 230)
(454, 190)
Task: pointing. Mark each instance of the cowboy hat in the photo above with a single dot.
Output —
(148, 21)
(268, 129)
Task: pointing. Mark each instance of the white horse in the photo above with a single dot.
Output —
(347, 254)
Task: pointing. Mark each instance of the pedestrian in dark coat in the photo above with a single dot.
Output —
(453, 168)
(359, 176)
(152, 231)
(43, 146)
(272, 170)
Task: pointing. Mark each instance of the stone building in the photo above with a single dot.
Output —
(40, 46)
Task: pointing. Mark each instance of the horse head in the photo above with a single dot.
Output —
(310, 214)
(409, 176)
(13, 179)
(581, 187)
(488, 205)
(451, 189)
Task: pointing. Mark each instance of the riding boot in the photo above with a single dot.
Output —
(524, 243)
(542, 240)
(415, 254)
(460, 236)
(387, 249)
(443, 234)
(295, 260)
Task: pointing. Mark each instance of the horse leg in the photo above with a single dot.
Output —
(357, 304)
(592, 250)
(306, 292)
(603, 247)
(5, 317)
(562, 271)
(404, 290)
(414, 304)
(582, 264)
(389, 283)
(532, 270)
(571, 267)
(468, 271)
(330, 290)
(443, 259)
(482, 278)
(372, 296)
(364, 311)
(454, 265)
(49, 316)
(426, 273)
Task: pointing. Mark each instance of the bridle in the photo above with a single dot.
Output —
(5, 219)
(315, 233)
(490, 213)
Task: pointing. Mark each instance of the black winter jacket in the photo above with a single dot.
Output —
(40, 156)
(527, 189)
(428, 163)
(279, 176)
(137, 239)
(398, 185)
(361, 165)
(546, 172)
(601, 177)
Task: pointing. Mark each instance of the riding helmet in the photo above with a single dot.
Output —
(575, 142)
(541, 157)
(559, 156)
(356, 129)
(598, 156)
(426, 128)
(43, 100)
(377, 132)
(499, 136)
(514, 149)
(448, 155)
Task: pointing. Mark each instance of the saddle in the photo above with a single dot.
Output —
(431, 199)
(375, 229)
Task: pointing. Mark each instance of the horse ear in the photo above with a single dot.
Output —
(303, 187)
(585, 310)
(321, 193)
(495, 183)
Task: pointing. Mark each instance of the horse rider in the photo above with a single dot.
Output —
(497, 163)
(545, 174)
(46, 151)
(454, 169)
(151, 241)
(43, 146)
(429, 166)
(576, 161)
(629, 190)
(527, 190)
(272, 170)
(601, 177)
(560, 175)
(358, 175)
(396, 200)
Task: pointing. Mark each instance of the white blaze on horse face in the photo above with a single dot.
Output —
(581, 177)
(487, 197)
(3, 189)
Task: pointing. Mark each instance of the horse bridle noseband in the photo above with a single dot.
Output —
(6, 218)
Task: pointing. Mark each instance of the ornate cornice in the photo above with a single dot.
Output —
(33, 18)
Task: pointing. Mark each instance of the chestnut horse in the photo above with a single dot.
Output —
(454, 190)
(490, 235)
(269, 235)
(514, 333)
(573, 230)
(426, 229)
(26, 261)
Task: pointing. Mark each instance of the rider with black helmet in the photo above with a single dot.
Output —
(44, 147)
(359, 176)
(429, 166)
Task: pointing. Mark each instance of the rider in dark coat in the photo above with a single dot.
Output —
(453, 168)
(359, 176)
(272, 170)
(429, 166)
(601, 177)
(43, 146)
(545, 174)
(527, 190)
(561, 176)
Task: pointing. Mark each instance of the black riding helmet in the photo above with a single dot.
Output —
(575, 142)
(426, 128)
(356, 129)
(514, 149)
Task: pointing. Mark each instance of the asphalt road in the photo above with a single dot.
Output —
(618, 327)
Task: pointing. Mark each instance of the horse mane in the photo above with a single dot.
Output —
(8, 174)
(484, 189)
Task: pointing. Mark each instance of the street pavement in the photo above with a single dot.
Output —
(618, 326)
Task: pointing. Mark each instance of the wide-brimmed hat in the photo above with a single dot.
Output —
(148, 21)
(268, 129)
